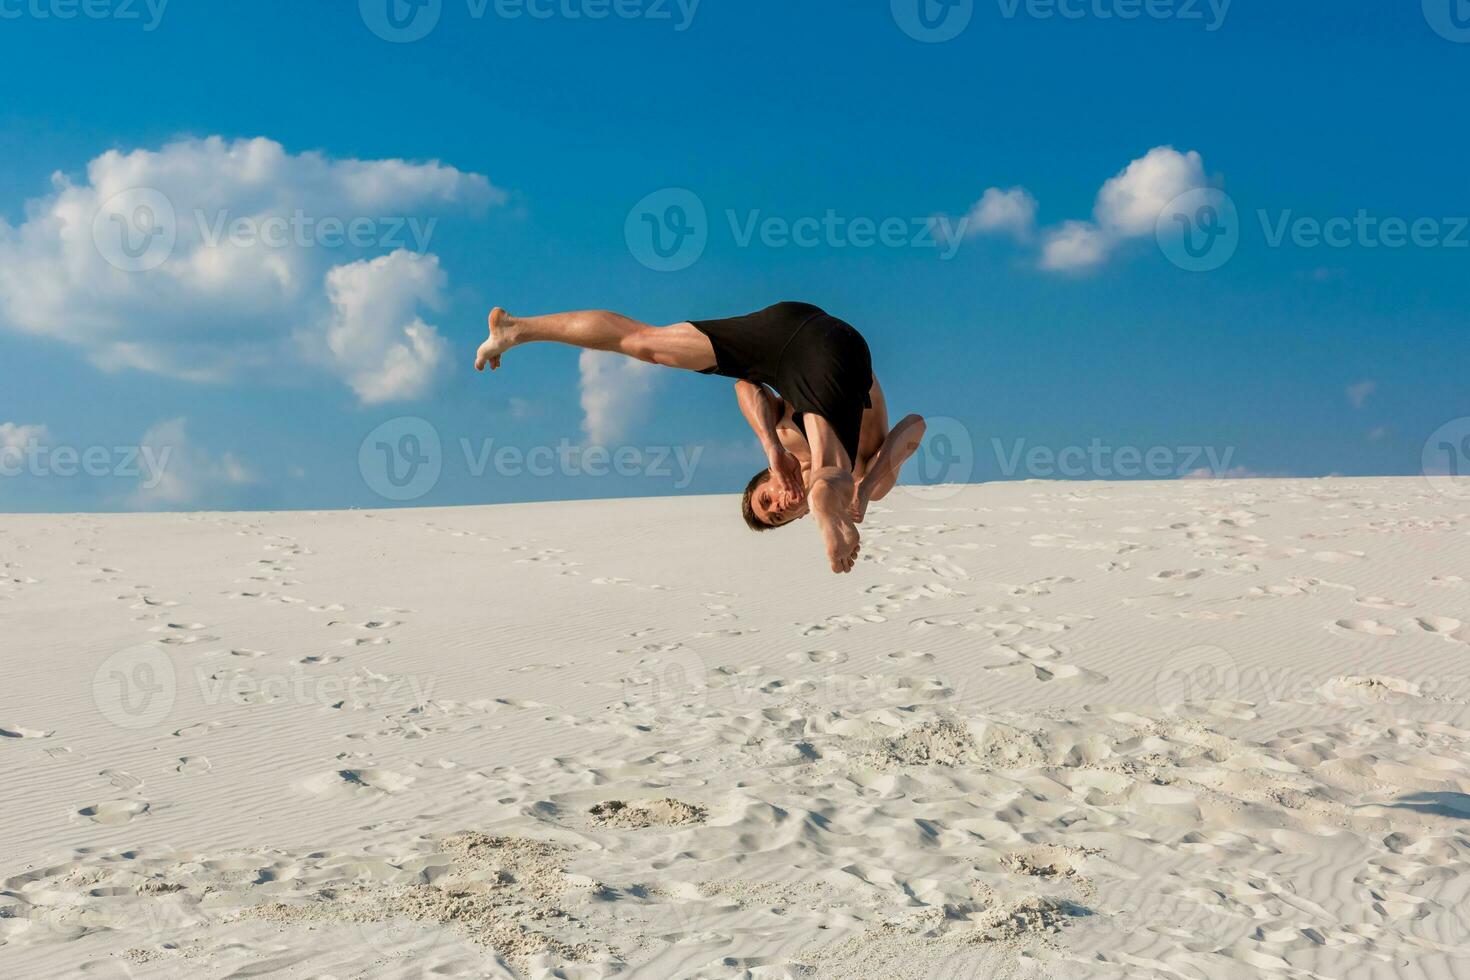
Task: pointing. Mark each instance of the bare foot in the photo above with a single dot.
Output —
(502, 338)
(838, 533)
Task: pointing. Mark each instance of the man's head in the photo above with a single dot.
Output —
(762, 505)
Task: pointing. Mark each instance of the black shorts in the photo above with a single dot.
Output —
(818, 363)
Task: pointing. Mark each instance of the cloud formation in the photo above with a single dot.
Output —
(184, 472)
(14, 438)
(374, 337)
(1009, 212)
(615, 394)
(1359, 393)
(1127, 207)
(212, 260)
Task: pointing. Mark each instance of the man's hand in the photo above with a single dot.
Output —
(786, 478)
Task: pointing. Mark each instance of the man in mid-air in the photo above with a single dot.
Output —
(824, 430)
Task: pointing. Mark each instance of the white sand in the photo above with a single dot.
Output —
(1184, 730)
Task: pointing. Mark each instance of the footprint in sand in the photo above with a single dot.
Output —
(193, 765)
(8, 730)
(113, 812)
(124, 781)
(1369, 627)
(357, 782)
(1379, 602)
(909, 656)
(1339, 557)
(1177, 574)
(818, 657)
(1440, 626)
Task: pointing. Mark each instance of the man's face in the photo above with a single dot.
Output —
(776, 508)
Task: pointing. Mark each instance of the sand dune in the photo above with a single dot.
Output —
(1186, 730)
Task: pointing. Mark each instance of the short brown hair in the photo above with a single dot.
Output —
(747, 510)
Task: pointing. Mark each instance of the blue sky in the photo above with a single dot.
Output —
(262, 370)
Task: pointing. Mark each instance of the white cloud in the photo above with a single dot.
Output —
(14, 438)
(1011, 212)
(1074, 245)
(256, 232)
(1378, 433)
(374, 337)
(1359, 393)
(177, 473)
(1129, 205)
(615, 394)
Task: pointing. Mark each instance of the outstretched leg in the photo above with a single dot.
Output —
(882, 473)
(681, 345)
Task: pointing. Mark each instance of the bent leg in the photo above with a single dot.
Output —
(681, 345)
(882, 474)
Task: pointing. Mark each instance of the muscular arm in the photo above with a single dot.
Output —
(763, 410)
